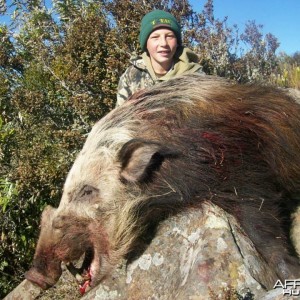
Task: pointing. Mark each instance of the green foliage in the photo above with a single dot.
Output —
(288, 71)
(5, 133)
(289, 76)
(59, 73)
(7, 192)
(48, 104)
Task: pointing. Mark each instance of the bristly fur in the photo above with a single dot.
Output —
(180, 143)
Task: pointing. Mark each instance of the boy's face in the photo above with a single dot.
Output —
(161, 46)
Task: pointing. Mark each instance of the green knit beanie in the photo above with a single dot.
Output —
(156, 19)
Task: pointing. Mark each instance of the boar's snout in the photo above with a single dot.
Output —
(44, 277)
(46, 268)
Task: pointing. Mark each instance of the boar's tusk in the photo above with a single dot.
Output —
(82, 273)
(76, 272)
(82, 276)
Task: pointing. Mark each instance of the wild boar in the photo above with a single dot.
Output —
(189, 140)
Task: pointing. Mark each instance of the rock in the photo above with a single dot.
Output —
(24, 291)
(198, 254)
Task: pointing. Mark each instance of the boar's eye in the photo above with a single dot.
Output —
(87, 192)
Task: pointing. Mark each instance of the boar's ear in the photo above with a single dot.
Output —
(140, 159)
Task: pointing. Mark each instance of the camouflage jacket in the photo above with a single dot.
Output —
(140, 74)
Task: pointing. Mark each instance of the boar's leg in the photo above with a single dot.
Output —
(267, 233)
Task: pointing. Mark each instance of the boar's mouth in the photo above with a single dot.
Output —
(86, 273)
(77, 272)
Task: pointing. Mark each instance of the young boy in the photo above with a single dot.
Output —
(163, 55)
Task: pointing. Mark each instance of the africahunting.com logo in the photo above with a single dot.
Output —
(289, 287)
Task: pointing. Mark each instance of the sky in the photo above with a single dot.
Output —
(279, 17)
